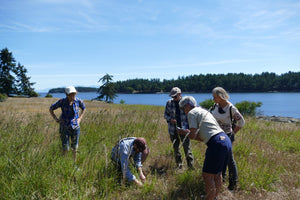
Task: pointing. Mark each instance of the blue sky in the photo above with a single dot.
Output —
(76, 42)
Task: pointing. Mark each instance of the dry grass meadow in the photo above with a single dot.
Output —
(32, 165)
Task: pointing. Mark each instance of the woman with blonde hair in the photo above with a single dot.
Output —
(231, 121)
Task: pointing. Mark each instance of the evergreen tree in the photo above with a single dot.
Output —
(106, 90)
(13, 79)
(24, 86)
(7, 66)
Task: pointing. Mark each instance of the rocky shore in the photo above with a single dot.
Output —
(279, 119)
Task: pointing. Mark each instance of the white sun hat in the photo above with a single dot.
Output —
(70, 89)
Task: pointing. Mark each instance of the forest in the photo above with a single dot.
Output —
(232, 82)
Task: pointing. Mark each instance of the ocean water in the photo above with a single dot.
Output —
(273, 104)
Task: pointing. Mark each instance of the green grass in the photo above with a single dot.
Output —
(32, 165)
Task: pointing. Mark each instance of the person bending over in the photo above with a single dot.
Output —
(123, 151)
(204, 127)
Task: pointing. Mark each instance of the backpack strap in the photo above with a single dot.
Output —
(230, 113)
(233, 122)
(212, 107)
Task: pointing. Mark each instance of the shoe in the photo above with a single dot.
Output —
(231, 187)
(179, 166)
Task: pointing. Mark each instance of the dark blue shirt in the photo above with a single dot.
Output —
(70, 113)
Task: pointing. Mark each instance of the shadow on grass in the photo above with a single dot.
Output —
(161, 165)
(189, 186)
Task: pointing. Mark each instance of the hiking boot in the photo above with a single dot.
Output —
(232, 187)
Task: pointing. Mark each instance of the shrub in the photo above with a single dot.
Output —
(207, 103)
(247, 107)
(49, 95)
(3, 97)
(122, 101)
(33, 94)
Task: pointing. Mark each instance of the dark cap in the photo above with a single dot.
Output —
(142, 145)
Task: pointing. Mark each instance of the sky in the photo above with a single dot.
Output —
(76, 42)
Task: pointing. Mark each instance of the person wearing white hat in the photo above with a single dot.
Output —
(175, 117)
(69, 120)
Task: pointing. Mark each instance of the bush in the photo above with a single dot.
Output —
(3, 97)
(33, 94)
(122, 101)
(247, 107)
(49, 95)
(207, 103)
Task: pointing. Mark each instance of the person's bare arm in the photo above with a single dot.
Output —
(53, 115)
(192, 133)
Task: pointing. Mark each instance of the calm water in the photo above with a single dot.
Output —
(273, 104)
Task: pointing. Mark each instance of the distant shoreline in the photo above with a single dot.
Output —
(278, 119)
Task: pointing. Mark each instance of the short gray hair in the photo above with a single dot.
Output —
(188, 100)
(221, 93)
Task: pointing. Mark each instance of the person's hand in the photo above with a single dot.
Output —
(183, 131)
(138, 183)
(57, 119)
(142, 177)
(141, 173)
(173, 121)
(79, 120)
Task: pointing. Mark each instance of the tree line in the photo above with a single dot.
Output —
(13, 77)
(232, 82)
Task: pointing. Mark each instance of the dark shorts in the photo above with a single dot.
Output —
(217, 153)
(66, 134)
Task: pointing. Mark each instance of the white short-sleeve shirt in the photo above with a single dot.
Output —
(209, 126)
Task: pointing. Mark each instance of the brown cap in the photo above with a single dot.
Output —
(142, 145)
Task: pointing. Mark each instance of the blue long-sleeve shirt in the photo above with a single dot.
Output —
(69, 113)
(122, 152)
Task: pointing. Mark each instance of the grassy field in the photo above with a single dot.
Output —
(32, 165)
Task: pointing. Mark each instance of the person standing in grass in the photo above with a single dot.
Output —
(204, 127)
(225, 112)
(69, 120)
(123, 151)
(177, 118)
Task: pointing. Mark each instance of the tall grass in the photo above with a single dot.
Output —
(32, 165)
